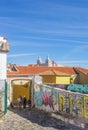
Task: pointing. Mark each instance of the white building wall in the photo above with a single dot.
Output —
(3, 64)
(3, 39)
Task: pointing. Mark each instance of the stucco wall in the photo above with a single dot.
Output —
(68, 79)
(63, 80)
(3, 96)
(20, 90)
(10, 87)
(49, 79)
(62, 101)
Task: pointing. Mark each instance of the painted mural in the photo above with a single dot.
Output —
(86, 106)
(76, 105)
(2, 102)
(2, 96)
(46, 98)
(54, 99)
(38, 95)
(78, 88)
(62, 101)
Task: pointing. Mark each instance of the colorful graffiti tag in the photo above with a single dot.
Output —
(78, 88)
(62, 101)
(46, 97)
(38, 95)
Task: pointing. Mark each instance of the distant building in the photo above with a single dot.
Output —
(39, 61)
(48, 62)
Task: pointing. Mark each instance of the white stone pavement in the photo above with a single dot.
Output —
(34, 119)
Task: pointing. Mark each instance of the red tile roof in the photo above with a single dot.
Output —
(39, 69)
(52, 72)
(82, 70)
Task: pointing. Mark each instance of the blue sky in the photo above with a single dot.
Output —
(54, 28)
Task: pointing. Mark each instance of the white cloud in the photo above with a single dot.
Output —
(75, 61)
(20, 55)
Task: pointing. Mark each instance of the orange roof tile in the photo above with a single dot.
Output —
(39, 69)
(82, 70)
(52, 72)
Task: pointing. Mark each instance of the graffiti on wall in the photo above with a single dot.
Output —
(76, 105)
(1, 101)
(46, 97)
(0, 104)
(38, 95)
(55, 99)
(2, 96)
(61, 101)
(86, 106)
(78, 88)
(64, 102)
(51, 99)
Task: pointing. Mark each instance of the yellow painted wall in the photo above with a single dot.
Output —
(19, 90)
(85, 106)
(61, 98)
(49, 79)
(56, 79)
(76, 102)
(63, 80)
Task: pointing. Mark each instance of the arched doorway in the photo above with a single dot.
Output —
(20, 87)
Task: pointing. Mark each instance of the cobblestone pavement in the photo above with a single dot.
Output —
(34, 119)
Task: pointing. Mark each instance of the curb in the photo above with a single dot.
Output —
(3, 116)
(74, 122)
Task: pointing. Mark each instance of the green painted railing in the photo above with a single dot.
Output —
(6, 89)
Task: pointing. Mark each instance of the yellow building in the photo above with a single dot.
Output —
(21, 87)
(53, 76)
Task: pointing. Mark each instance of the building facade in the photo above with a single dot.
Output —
(4, 48)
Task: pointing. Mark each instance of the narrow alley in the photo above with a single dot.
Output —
(34, 119)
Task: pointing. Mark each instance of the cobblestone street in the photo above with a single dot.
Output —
(34, 119)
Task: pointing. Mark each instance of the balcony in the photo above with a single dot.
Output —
(4, 47)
